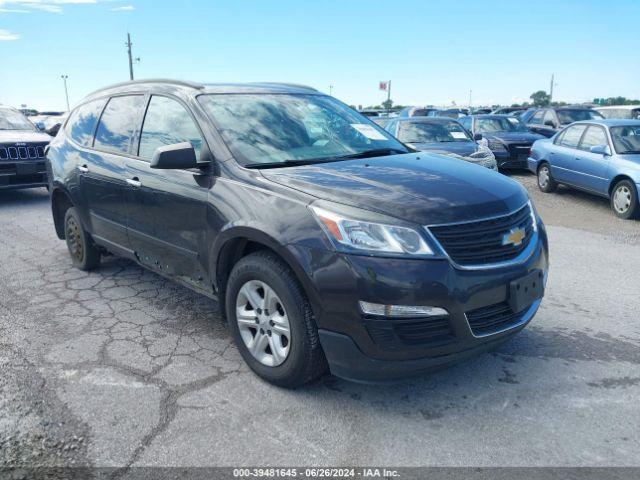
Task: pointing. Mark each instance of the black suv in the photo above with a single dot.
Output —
(549, 121)
(22, 163)
(325, 241)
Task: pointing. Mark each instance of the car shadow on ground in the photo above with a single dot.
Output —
(11, 198)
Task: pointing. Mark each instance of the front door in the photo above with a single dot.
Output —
(591, 168)
(564, 152)
(168, 208)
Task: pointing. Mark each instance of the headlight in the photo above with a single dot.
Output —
(359, 236)
(533, 216)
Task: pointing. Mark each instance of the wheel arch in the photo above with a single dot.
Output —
(236, 243)
(60, 202)
(615, 180)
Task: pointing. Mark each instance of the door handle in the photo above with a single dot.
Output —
(83, 169)
(134, 182)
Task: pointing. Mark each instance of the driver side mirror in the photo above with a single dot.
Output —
(549, 123)
(177, 156)
(601, 149)
(477, 136)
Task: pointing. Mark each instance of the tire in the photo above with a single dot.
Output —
(624, 200)
(546, 183)
(84, 253)
(295, 360)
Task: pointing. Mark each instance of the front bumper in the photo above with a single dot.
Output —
(367, 348)
(22, 174)
(508, 160)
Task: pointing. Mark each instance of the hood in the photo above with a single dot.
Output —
(514, 137)
(23, 136)
(459, 148)
(417, 187)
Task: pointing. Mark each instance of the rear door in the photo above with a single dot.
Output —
(168, 208)
(102, 171)
(591, 168)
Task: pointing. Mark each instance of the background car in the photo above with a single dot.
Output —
(601, 157)
(449, 112)
(508, 138)
(441, 135)
(620, 111)
(415, 111)
(22, 160)
(508, 110)
(548, 121)
(381, 121)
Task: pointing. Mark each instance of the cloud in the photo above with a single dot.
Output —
(51, 6)
(124, 8)
(6, 35)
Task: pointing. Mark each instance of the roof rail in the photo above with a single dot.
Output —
(181, 83)
(285, 84)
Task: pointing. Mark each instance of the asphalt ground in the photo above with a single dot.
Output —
(120, 367)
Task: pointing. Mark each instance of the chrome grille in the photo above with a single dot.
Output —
(22, 152)
(481, 242)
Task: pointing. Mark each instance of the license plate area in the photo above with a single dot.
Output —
(26, 168)
(526, 290)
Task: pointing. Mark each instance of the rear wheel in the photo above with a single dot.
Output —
(84, 253)
(272, 322)
(546, 183)
(624, 200)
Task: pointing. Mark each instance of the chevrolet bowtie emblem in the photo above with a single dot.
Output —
(514, 237)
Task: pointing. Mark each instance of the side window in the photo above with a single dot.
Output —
(571, 136)
(82, 122)
(165, 123)
(537, 117)
(466, 123)
(118, 122)
(592, 137)
(550, 118)
(391, 127)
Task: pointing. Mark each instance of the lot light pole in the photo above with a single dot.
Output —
(128, 44)
(66, 90)
(551, 88)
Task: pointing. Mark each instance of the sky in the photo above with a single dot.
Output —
(433, 51)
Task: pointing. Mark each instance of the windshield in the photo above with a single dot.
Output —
(286, 128)
(570, 116)
(424, 132)
(14, 120)
(505, 124)
(626, 139)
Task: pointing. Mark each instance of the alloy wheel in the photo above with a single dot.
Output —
(263, 323)
(543, 177)
(74, 239)
(622, 199)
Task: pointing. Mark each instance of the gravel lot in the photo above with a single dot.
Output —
(120, 368)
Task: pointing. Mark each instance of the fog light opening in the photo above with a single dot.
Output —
(380, 310)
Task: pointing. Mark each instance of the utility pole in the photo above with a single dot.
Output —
(470, 91)
(128, 44)
(388, 97)
(551, 89)
(66, 90)
(331, 90)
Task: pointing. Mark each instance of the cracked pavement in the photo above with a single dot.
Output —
(120, 367)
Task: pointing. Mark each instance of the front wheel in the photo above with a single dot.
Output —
(272, 322)
(546, 183)
(624, 200)
(84, 253)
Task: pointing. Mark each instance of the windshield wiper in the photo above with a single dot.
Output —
(378, 152)
(310, 161)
